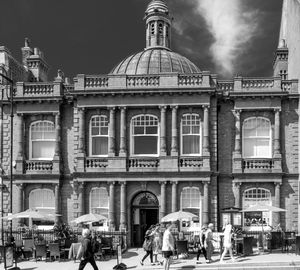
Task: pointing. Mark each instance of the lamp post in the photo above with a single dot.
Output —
(11, 97)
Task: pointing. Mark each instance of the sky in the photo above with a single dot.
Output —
(225, 37)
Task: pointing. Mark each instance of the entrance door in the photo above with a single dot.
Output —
(145, 214)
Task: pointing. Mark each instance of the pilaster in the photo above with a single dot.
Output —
(111, 210)
(205, 213)
(174, 196)
(174, 144)
(111, 132)
(162, 212)
(20, 132)
(163, 146)
(56, 159)
(81, 148)
(123, 208)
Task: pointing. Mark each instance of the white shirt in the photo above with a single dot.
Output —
(168, 241)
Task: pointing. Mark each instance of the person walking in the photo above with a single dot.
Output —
(157, 243)
(87, 251)
(227, 242)
(168, 246)
(148, 246)
(208, 245)
(199, 243)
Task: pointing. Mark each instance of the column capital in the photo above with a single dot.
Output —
(163, 108)
(163, 182)
(205, 183)
(111, 183)
(237, 112)
(277, 109)
(174, 182)
(205, 106)
(78, 186)
(20, 114)
(56, 113)
(111, 108)
(123, 108)
(123, 183)
(174, 107)
(236, 183)
(20, 185)
(81, 109)
(277, 184)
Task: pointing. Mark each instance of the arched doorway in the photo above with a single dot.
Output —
(144, 211)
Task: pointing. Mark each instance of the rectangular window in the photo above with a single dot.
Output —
(43, 149)
(145, 145)
(191, 145)
(99, 146)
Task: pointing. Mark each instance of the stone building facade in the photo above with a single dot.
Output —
(153, 136)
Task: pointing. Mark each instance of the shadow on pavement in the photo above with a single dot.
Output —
(188, 267)
(131, 267)
(29, 268)
(129, 254)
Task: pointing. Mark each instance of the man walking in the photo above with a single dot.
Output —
(208, 242)
(168, 246)
(87, 251)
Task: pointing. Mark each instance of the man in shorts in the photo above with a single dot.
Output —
(168, 246)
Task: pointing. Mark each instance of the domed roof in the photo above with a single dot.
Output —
(157, 5)
(154, 61)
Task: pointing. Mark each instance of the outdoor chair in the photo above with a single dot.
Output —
(54, 251)
(66, 247)
(28, 246)
(40, 251)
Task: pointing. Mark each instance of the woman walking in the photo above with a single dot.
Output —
(227, 242)
(199, 244)
(157, 243)
(148, 246)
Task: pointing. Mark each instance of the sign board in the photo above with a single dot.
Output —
(8, 256)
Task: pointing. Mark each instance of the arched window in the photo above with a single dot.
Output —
(257, 134)
(42, 140)
(191, 135)
(144, 130)
(41, 198)
(98, 136)
(99, 201)
(160, 28)
(191, 200)
(152, 27)
(252, 197)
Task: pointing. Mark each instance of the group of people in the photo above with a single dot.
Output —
(155, 243)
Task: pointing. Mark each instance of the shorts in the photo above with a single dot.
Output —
(167, 254)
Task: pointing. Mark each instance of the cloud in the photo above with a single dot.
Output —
(232, 27)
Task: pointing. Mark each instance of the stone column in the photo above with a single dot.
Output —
(162, 200)
(163, 146)
(165, 35)
(123, 207)
(237, 194)
(111, 210)
(81, 122)
(57, 202)
(80, 192)
(20, 133)
(155, 33)
(237, 156)
(237, 143)
(81, 141)
(56, 158)
(276, 215)
(174, 144)
(205, 216)
(206, 151)
(174, 196)
(111, 132)
(123, 150)
(277, 133)
(20, 198)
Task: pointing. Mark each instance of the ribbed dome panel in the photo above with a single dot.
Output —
(155, 61)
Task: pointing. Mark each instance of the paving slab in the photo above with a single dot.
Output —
(132, 257)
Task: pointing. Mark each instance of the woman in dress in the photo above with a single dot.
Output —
(157, 243)
(227, 242)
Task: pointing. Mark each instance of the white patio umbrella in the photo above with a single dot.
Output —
(89, 218)
(178, 216)
(31, 214)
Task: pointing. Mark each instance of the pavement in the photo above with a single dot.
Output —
(132, 257)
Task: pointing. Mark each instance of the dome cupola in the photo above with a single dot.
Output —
(158, 24)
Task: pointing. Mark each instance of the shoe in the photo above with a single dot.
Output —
(152, 263)
(161, 263)
(141, 263)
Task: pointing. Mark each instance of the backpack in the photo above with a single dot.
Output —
(95, 246)
(147, 245)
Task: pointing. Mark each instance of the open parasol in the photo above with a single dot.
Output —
(89, 218)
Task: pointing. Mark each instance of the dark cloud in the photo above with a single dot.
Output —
(92, 36)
